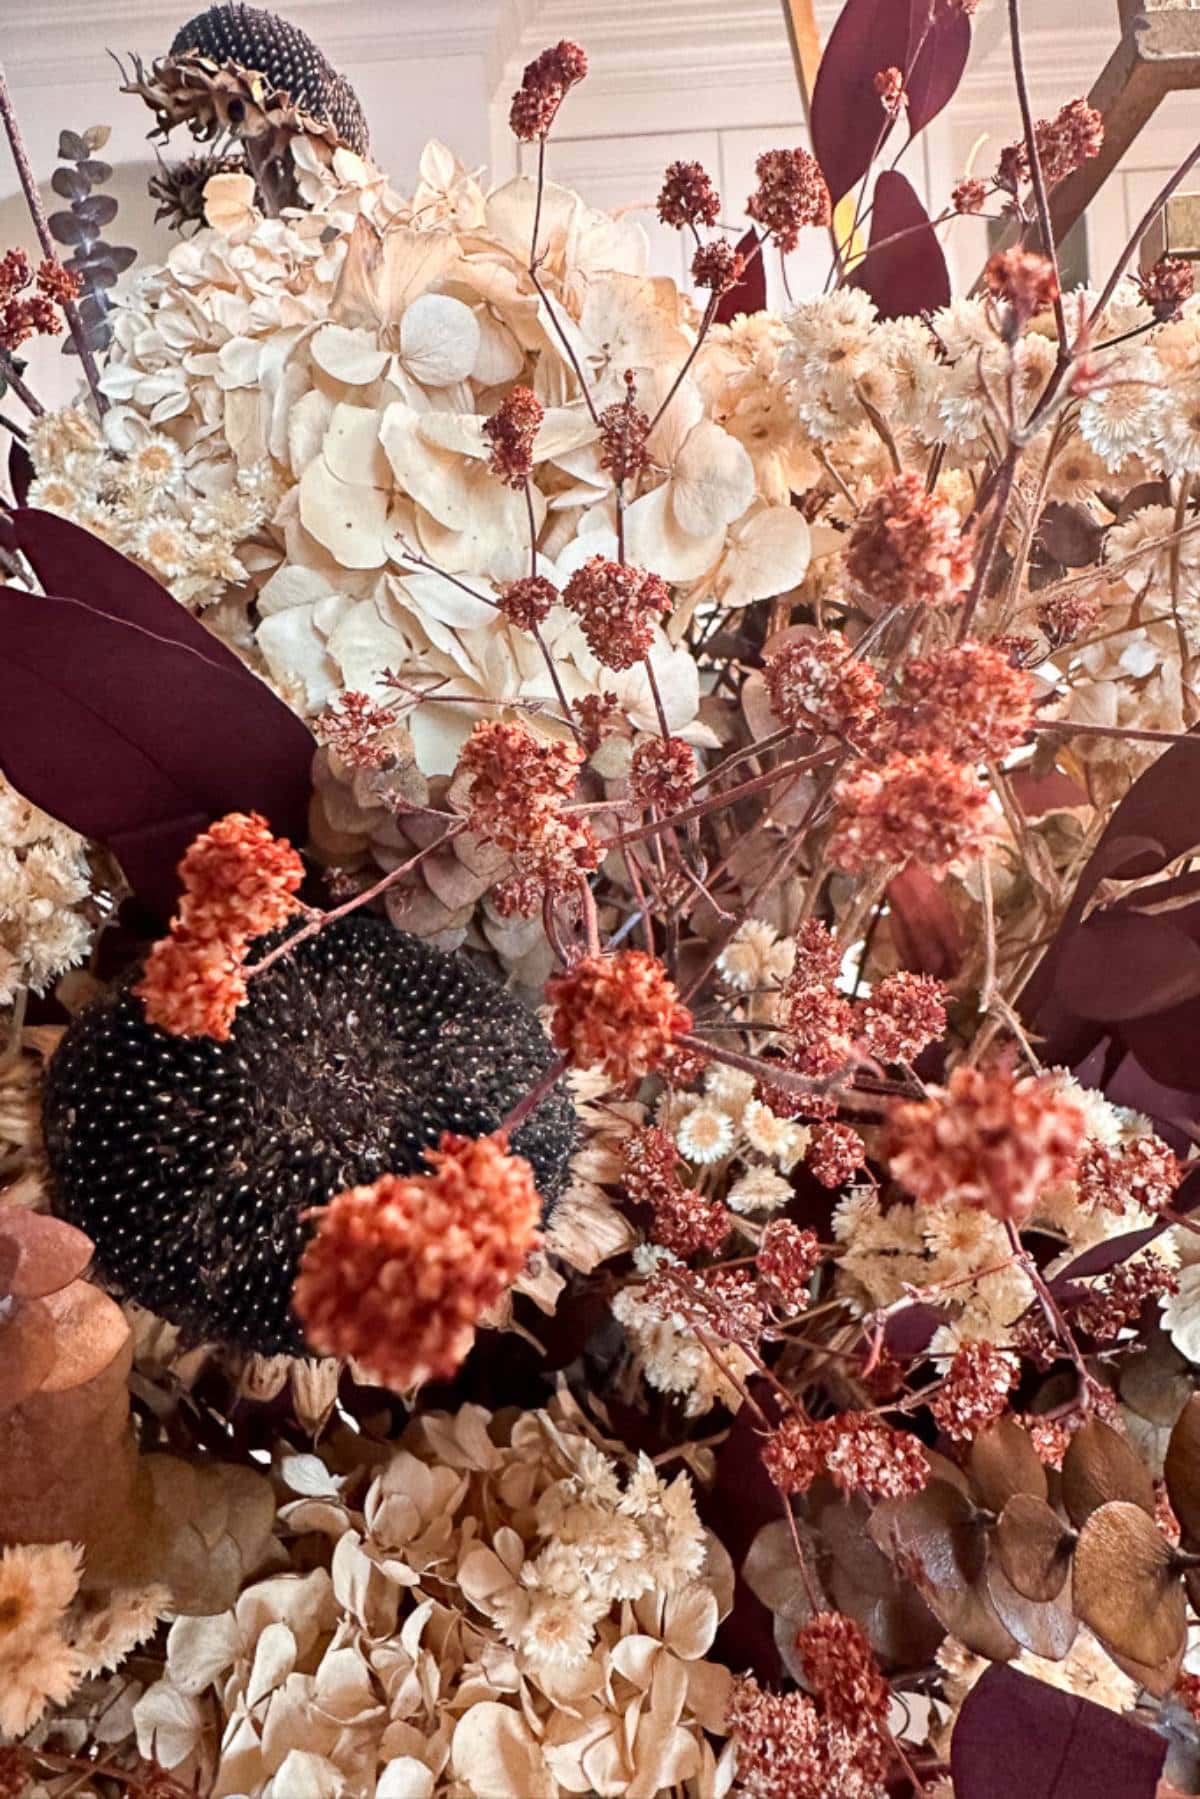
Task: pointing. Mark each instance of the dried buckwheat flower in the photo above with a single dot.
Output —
(791, 193)
(511, 431)
(787, 1259)
(817, 683)
(967, 699)
(619, 1013)
(903, 1015)
(718, 266)
(924, 808)
(987, 1139)
(617, 606)
(624, 428)
(526, 603)
(835, 1153)
(400, 1271)
(969, 195)
(1144, 1172)
(544, 86)
(1167, 286)
(889, 85)
(907, 547)
(1026, 282)
(976, 1389)
(662, 773)
(841, 1670)
(688, 196)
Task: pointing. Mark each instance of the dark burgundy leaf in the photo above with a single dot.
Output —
(1127, 965)
(750, 293)
(20, 472)
(71, 184)
(1038, 794)
(1015, 1734)
(1104, 1256)
(65, 228)
(904, 269)
(910, 1331)
(98, 211)
(1071, 535)
(126, 720)
(925, 930)
(95, 170)
(939, 51)
(71, 147)
(848, 119)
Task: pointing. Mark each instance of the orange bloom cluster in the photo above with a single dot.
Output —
(835, 1153)
(239, 882)
(526, 603)
(925, 808)
(976, 1389)
(817, 683)
(987, 1139)
(617, 606)
(399, 1272)
(968, 700)
(907, 548)
(619, 1013)
(856, 1449)
(518, 784)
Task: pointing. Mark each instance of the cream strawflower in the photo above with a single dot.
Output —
(705, 1134)
(758, 1190)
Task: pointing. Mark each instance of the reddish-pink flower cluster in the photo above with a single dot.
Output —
(662, 772)
(908, 549)
(835, 1153)
(526, 603)
(859, 1451)
(967, 700)
(24, 315)
(1143, 1172)
(617, 607)
(238, 883)
(787, 1260)
(988, 1139)
(976, 1389)
(683, 1220)
(624, 428)
(969, 196)
(791, 194)
(544, 86)
(924, 808)
(1116, 1299)
(817, 683)
(1168, 286)
(842, 1671)
(903, 1015)
(351, 728)
(518, 786)
(718, 266)
(511, 431)
(619, 1013)
(688, 197)
(1074, 136)
(399, 1272)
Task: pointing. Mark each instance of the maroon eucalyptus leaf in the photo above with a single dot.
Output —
(904, 269)
(849, 122)
(1015, 1734)
(1071, 535)
(940, 46)
(925, 931)
(750, 293)
(20, 476)
(136, 737)
(1127, 965)
(1103, 1256)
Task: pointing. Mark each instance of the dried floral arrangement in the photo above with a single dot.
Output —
(599, 944)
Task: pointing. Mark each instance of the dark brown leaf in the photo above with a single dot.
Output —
(1047, 1629)
(936, 1530)
(1127, 1590)
(1003, 1462)
(1071, 535)
(1182, 1468)
(1100, 1466)
(904, 269)
(1033, 1547)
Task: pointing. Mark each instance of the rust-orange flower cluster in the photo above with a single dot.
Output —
(238, 883)
(618, 1013)
(400, 1272)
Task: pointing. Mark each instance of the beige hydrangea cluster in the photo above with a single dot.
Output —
(498, 1610)
(326, 377)
(45, 881)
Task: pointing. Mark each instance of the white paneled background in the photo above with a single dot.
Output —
(710, 79)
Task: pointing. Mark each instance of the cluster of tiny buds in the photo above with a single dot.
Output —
(544, 86)
(1167, 285)
(510, 432)
(1025, 282)
(527, 602)
(688, 197)
(662, 772)
(1074, 136)
(617, 607)
(889, 85)
(718, 267)
(859, 1451)
(25, 315)
(791, 194)
(352, 727)
(624, 428)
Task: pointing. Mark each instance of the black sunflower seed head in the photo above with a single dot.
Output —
(286, 57)
(191, 1164)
